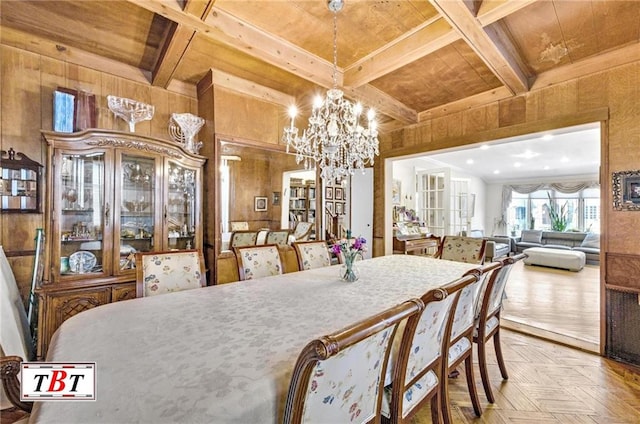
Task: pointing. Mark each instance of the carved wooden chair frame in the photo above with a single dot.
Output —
(328, 346)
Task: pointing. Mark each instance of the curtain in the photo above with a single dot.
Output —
(507, 191)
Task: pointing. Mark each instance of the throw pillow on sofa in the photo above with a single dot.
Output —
(591, 240)
(532, 236)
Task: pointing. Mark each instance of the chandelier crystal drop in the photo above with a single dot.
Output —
(339, 138)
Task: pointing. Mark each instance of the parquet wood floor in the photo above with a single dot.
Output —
(548, 383)
(556, 301)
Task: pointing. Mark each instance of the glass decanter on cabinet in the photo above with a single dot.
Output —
(180, 208)
(81, 213)
(137, 208)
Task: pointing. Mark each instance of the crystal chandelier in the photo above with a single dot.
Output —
(335, 138)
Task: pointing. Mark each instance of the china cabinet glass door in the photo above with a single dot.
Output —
(180, 210)
(82, 209)
(137, 208)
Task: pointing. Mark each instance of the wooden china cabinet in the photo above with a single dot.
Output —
(111, 194)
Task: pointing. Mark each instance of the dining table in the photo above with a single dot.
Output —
(223, 354)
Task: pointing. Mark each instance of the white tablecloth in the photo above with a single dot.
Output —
(223, 353)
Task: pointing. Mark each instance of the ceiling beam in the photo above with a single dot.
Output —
(467, 103)
(494, 10)
(425, 39)
(250, 88)
(177, 42)
(588, 66)
(493, 52)
(383, 103)
(46, 47)
(226, 29)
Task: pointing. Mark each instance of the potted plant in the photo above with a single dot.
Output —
(559, 217)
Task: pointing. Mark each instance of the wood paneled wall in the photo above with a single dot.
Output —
(27, 82)
(614, 94)
(258, 175)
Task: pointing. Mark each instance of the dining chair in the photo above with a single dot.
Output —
(420, 361)
(280, 237)
(312, 254)
(289, 258)
(258, 261)
(339, 378)
(227, 268)
(170, 271)
(487, 320)
(462, 249)
(302, 231)
(239, 225)
(461, 341)
(243, 238)
(9, 370)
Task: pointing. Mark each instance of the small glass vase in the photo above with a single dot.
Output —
(348, 270)
(64, 265)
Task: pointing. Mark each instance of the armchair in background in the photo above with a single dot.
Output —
(497, 246)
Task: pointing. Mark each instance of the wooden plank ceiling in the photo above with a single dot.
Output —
(410, 59)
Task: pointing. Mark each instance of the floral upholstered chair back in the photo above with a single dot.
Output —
(302, 230)
(166, 272)
(464, 315)
(339, 378)
(243, 238)
(280, 237)
(258, 261)
(420, 355)
(495, 287)
(421, 359)
(312, 254)
(239, 226)
(462, 249)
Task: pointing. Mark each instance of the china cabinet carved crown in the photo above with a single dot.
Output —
(111, 194)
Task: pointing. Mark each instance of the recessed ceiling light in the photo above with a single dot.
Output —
(564, 159)
(484, 147)
(547, 137)
(517, 165)
(469, 161)
(497, 171)
(528, 154)
(546, 167)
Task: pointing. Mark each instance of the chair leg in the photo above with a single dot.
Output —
(436, 414)
(445, 405)
(498, 348)
(471, 384)
(484, 373)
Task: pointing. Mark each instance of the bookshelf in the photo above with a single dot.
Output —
(302, 201)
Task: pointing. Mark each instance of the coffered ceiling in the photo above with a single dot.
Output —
(410, 59)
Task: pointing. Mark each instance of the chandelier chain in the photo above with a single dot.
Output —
(335, 49)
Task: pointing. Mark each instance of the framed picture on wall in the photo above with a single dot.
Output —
(328, 193)
(338, 193)
(260, 204)
(330, 206)
(339, 209)
(396, 192)
(626, 190)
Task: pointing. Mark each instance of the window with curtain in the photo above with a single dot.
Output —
(532, 210)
